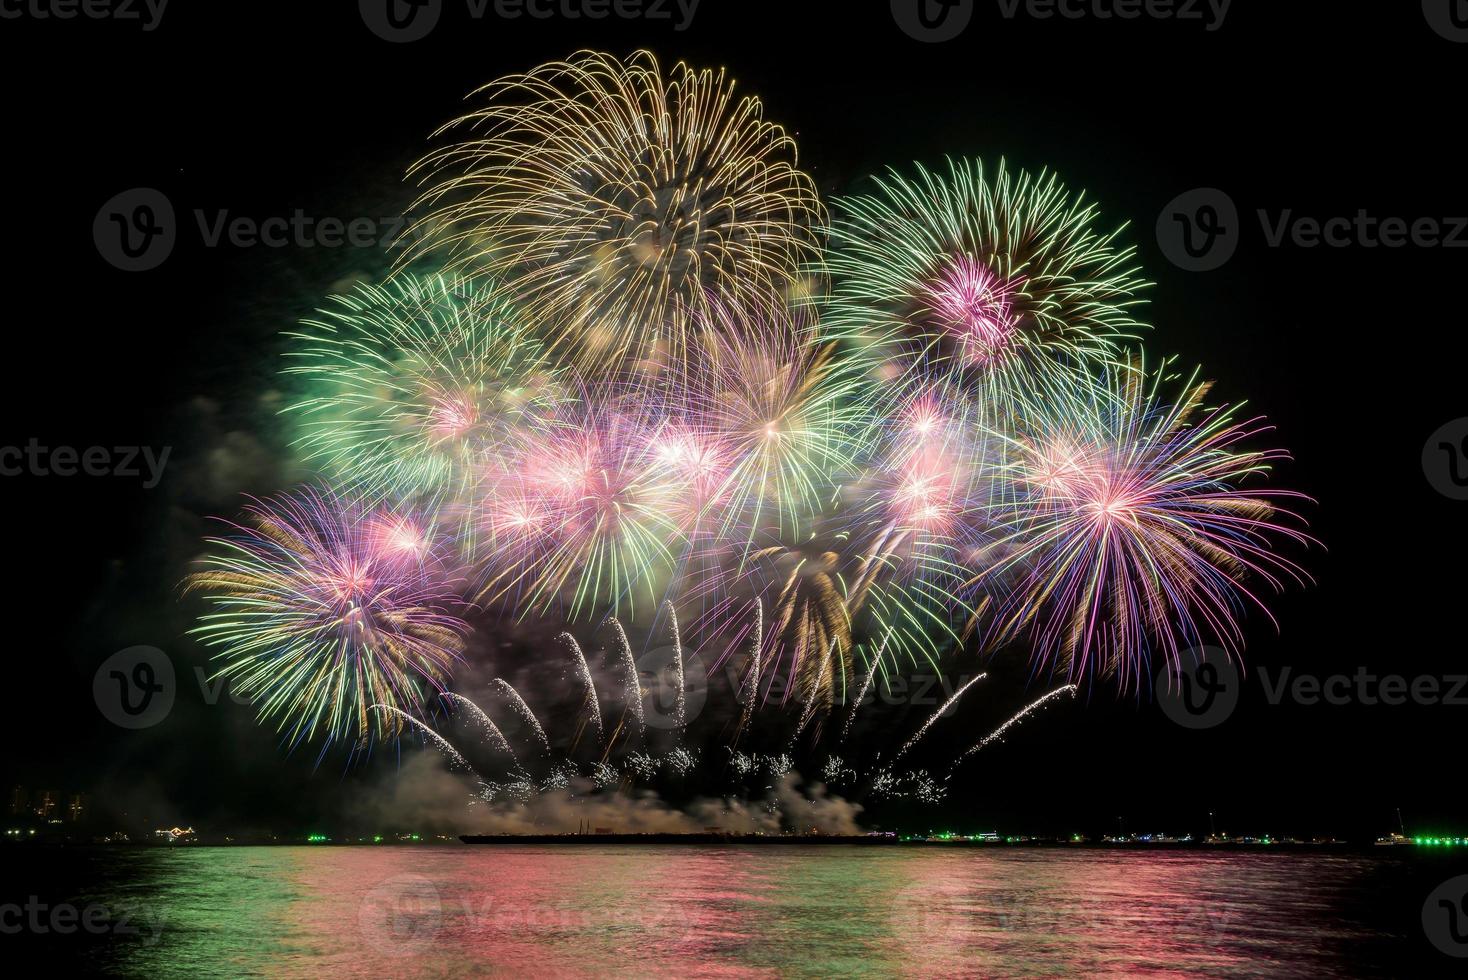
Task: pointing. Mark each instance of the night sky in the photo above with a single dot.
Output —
(1355, 353)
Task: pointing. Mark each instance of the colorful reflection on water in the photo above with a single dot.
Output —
(708, 912)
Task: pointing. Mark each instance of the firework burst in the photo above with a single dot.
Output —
(919, 517)
(774, 405)
(324, 608)
(629, 402)
(1131, 527)
(620, 199)
(582, 518)
(996, 278)
(414, 384)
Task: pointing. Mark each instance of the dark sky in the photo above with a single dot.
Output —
(1355, 353)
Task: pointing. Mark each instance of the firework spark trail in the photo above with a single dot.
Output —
(456, 761)
(680, 714)
(865, 687)
(593, 705)
(751, 682)
(487, 728)
(824, 682)
(936, 715)
(631, 688)
(505, 690)
(1031, 708)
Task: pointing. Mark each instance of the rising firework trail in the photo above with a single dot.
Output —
(936, 715)
(583, 672)
(502, 687)
(488, 730)
(456, 760)
(1068, 690)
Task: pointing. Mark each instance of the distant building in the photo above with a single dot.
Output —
(20, 801)
(76, 807)
(47, 803)
(175, 834)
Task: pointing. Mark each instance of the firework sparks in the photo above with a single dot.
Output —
(620, 199)
(517, 703)
(998, 734)
(316, 620)
(1131, 528)
(414, 384)
(582, 522)
(629, 398)
(996, 277)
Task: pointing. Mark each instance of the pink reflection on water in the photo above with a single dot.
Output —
(708, 912)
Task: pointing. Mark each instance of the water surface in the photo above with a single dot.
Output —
(727, 911)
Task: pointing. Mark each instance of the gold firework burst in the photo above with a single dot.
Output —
(620, 201)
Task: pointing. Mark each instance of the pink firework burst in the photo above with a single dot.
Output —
(975, 308)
